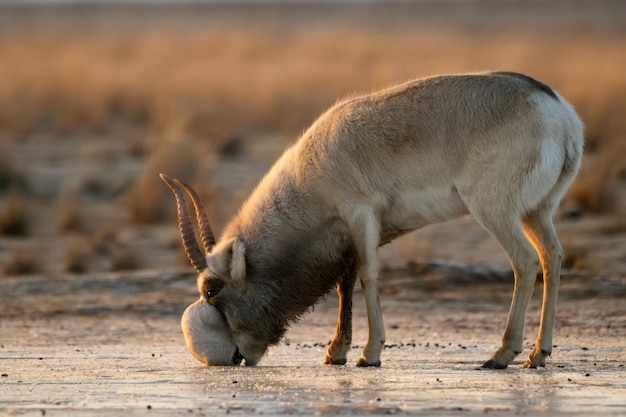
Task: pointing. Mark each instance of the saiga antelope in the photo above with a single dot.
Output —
(500, 146)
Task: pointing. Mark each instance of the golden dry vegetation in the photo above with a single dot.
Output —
(90, 115)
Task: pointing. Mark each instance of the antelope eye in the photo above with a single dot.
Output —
(211, 293)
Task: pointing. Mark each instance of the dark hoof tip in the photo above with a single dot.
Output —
(331, 361)
(362, 363)
(491, 364)
(530, 365)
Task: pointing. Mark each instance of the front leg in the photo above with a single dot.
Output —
(338, 350)
(365, 231)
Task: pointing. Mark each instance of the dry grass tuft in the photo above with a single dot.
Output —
(577, 258)
(149, 200)
(231, 147)
(101, 251)
(593, 192)
(104, 238)
(123, 258)
(70, 218)
(13, 216)
(94, 187)
(10, 176)
(78, 257)
(21, 262)
(613, 225)
(596, 190)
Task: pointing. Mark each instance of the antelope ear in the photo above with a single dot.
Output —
(238, 260)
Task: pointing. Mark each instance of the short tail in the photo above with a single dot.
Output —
(574, 145)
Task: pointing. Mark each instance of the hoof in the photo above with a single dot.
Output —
(537, 358)
(331, 361)
(362, 363)
(491, 364)
(529, 364)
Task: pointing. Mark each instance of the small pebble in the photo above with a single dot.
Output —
(149, 407)
(5, 375)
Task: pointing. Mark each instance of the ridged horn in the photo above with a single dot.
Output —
(190, 243)
(206, 234)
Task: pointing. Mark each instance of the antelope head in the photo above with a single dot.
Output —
(206, 331)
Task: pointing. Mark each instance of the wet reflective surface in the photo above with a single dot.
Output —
(118, 361)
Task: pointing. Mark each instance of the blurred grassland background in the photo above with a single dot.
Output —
(95, 101)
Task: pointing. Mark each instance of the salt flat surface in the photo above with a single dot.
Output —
(132, 361)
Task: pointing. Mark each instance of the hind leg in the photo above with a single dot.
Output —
(337, 352)
(540, 230)
(508, 231)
